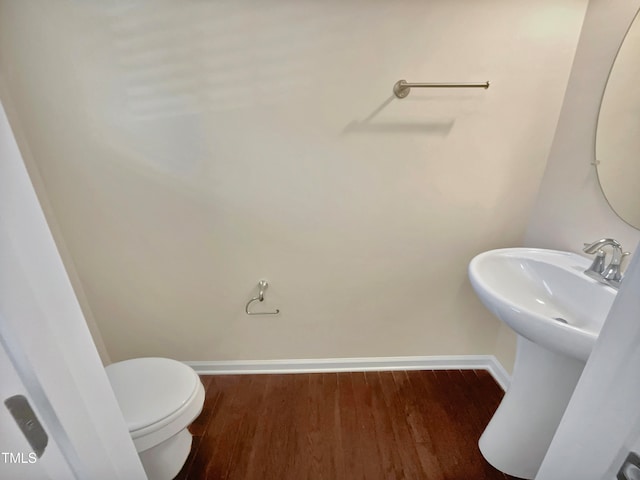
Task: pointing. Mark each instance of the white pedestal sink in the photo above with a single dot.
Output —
(557, 312)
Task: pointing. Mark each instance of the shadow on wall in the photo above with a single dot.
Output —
(436, 127)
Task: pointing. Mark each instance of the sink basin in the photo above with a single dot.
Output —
(544, 296)
(557, 312)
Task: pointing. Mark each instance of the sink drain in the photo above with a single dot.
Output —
(561, 320)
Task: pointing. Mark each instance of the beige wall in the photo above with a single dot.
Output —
(571, 208)
(189, 149)
(63, 251)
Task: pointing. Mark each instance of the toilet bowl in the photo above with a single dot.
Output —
(159, 398)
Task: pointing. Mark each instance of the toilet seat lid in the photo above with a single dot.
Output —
(150, 389)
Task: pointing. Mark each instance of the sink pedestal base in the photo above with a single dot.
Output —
(520, 432)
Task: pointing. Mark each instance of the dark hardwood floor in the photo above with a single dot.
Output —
(373, 425)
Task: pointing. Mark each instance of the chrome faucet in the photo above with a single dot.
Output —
(611, 274)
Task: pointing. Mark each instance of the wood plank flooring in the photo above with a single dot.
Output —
(373, 425)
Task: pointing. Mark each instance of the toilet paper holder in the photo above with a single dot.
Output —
(262, 286)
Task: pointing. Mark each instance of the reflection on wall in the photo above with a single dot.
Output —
(190, 149)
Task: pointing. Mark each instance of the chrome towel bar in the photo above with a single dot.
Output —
(402, 88)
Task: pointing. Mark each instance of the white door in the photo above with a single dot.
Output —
(599, 435)
(18, 458)
(47, 351)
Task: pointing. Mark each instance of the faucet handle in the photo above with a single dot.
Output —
(597, 267)
(613, 273)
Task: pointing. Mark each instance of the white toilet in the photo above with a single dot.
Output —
(159, 399)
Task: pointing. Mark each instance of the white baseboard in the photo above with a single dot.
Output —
(441, 362)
